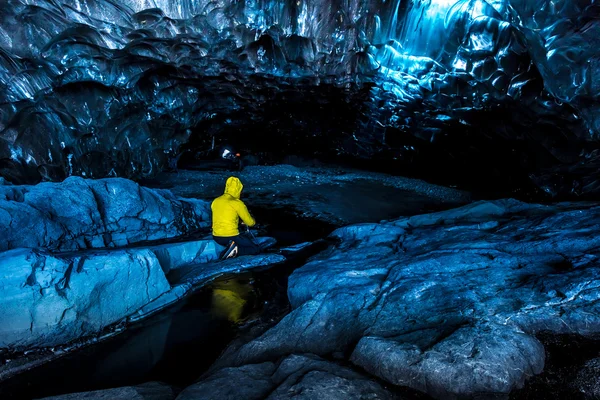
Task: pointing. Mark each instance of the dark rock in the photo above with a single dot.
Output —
(587, 381)
(446, 303)
(246, 382)
(295, 377)
(146, 391)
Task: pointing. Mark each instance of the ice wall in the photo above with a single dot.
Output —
(113, 88)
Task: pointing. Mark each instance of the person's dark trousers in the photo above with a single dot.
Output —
(246, 246)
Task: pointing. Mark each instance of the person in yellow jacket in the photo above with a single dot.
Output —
(227, 210)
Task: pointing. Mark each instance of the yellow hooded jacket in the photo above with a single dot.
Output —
(227, 210)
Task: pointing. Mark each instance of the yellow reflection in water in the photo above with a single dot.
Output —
(229, 299)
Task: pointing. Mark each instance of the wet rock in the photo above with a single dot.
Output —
(296, 248)
(176, 255)
(587, 381)
(46, 300)
(294, 377)
(446, 303)
(469, 361)
(81, 214)
(251, 382)
(146, 391)
(197, 274)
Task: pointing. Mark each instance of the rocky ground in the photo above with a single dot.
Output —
(337, 196)
(446, 303)
(295, 376)
(449, 304)
(83, 258)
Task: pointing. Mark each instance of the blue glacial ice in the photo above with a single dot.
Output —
(102, 88)
(83, 214)
(83, 256)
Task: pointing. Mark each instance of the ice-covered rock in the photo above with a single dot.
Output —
(50, 299)
(295, 377)
(83, 213)
(47, 300)
(177, 255)
(173, 256)
(447, 303)
(146, 391)
(198, 273)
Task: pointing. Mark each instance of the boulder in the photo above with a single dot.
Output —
(295, 377)
(173, 256)
(446, 303)
(83, 213)
(47, 299)
(146, 391)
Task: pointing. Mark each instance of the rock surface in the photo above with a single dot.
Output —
(445, 303)
(295, 377)
(338, 196)
(587, 380)
(48, 300)
(146, 391)
(177, 255)
(173, 256)
(81, 213)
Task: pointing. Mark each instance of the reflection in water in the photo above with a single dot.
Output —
(136, 357)
(229, 298)
(174, 347)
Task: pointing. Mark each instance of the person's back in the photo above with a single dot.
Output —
(227, 210)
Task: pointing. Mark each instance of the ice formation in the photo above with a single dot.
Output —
(101, 88)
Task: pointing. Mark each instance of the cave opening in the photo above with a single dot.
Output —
(513, 146)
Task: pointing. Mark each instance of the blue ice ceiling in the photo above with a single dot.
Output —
(100, 87)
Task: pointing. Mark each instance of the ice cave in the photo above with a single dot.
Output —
(299, 199)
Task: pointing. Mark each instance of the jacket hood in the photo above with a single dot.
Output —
(233, 187)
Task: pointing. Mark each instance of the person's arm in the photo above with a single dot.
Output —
(244, 214)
